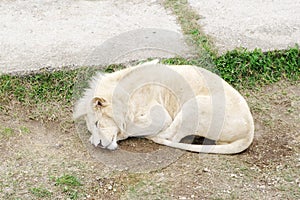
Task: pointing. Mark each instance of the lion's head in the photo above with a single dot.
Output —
(99, 121)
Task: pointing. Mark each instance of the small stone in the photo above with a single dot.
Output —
(233, 175)
(261, 187)
(58, 146)
(8, 191)
(206, 170)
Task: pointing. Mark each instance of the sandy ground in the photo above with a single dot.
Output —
(250, 23)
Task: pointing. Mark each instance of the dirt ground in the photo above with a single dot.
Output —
(39, 145)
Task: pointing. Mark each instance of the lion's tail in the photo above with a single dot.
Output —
(231, 148)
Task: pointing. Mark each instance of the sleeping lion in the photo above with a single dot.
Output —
(166, 104)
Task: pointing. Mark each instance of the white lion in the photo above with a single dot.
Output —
(165, 104)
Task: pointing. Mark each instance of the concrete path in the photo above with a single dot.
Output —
(269, 24)
(36, 34)
(53, 33)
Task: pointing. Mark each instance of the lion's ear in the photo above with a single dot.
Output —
(99, 102)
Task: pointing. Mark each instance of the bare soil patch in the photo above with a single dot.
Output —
(139, 145)
(276, 110)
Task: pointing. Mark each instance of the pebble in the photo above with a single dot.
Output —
(233, 175)
(206, 170)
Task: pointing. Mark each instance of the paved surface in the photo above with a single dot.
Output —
(36, 34)
(54, 33)
(268, 24)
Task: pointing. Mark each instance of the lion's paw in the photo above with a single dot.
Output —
(95, 140)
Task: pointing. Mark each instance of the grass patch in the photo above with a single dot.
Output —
(6, 132)
(58, 86)
(249, 68)
(71, 193)
(68, 180)
(240, 68)
(188, 19)
(40, 192)
(54, 86)
(69, 185)
(24, 129)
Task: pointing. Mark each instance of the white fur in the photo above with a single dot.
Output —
(166, 112)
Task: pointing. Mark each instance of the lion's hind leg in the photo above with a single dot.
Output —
(194, 118)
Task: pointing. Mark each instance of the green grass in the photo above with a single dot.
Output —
(24, 129)
(40, 192)
(68, 180)
(249, 68)
(239, 67)
(59, 86)
(38, 87)
(69, 185)
(6, 132)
